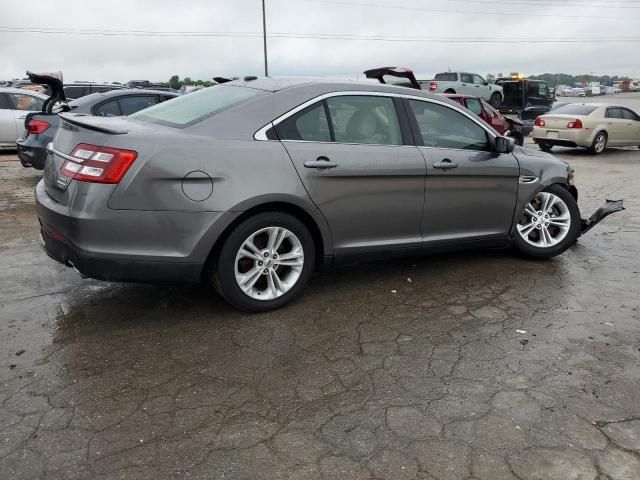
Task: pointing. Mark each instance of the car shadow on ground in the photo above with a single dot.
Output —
(102, 307)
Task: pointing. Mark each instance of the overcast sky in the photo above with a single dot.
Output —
(108, 57)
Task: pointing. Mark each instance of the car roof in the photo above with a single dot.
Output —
(94, 98)
(270, 84)
(23, 91)
(93, 84)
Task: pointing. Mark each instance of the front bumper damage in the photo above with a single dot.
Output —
(609, 207)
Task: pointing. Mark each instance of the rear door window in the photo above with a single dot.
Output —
(108, 109)
(364, 119)
(612, 112)
(309, 125)
(358, 119)
(135, 103)
(444, 127)
(466, 78)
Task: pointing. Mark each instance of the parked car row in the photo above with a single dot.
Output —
(41, 127)
(277, 177)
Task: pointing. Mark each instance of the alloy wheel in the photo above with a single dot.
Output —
(601, 143)
(269, 263)
(546, 221)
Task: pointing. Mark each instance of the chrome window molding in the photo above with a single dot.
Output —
(261, 134)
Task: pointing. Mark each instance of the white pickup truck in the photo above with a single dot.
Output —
(463, 83)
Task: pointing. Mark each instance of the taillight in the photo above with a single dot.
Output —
(36, 127)
(433, 86)
(539, 122)
(575, 124)
(96, 164)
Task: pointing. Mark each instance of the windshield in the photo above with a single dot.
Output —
(194, 107)
(575, 109)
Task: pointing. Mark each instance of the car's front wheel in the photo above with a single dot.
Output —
(549, 224)
(495, 100)
(265, 262)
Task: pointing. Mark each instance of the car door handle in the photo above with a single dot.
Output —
(445, 164)
(321, 163)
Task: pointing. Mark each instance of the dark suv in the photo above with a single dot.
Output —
(82, 89)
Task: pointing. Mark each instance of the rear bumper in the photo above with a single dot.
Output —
(126, 246)
(31, 155)
(564, 137)
(115, 270)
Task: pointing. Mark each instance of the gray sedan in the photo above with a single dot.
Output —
(253, 184)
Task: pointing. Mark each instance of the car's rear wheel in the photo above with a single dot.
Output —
(599, 144)
(265, 262)
(450, 90)
(549, 224)
(495, 100)
(545, 147)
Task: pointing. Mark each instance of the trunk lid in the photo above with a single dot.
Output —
(394, 76)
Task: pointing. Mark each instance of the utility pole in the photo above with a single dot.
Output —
(264, 38)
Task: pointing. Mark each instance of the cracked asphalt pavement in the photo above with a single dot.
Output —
(479, 365)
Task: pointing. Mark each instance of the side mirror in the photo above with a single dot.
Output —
(505, 144)
(486, 83)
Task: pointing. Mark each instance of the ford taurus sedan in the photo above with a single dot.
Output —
(253, 184)
(594, 126)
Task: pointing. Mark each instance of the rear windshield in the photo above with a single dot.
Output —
(447, 77)
(575, 109)
(194, 107)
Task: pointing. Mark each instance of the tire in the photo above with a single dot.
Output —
(537, 244)
(599, 144)
(518, 138)
(545, 147)
(495, 100)
(258, 229)
(450, 90)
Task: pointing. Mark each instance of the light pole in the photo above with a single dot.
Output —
(264, 39)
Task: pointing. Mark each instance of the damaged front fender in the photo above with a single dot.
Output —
(609, 207)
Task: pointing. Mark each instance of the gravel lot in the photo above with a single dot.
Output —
(481, 365)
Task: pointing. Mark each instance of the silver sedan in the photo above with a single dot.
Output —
(15, 104)
(594, 126)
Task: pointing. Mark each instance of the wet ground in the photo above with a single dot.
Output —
(481, 365)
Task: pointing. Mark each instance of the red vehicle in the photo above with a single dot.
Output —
(503, 125)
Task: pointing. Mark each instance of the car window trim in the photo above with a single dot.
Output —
(261, 134)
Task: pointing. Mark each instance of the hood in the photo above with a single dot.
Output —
(53, 80)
